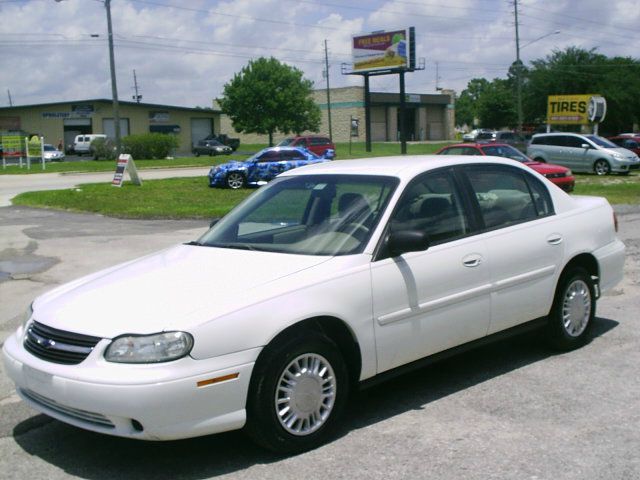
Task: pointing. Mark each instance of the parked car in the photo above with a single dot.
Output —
(51, 153)
(332, 277)
(560, 176)
(473, 134)
(225, 139)
(630, 142)
(318, 144)
(510, 138)
(82, 143)
(582, 153)
(211, 148)
(261, 167)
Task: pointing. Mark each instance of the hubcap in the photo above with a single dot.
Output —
(602, 168)
(235, 180)
(305, 394)
(576, 308)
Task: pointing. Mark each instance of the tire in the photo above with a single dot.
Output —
(601, 167)
(573, 311)
(235, 180)
(298, 390)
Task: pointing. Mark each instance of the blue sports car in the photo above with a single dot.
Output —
(263, 166)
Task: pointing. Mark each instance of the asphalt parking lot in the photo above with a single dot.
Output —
(512, 410)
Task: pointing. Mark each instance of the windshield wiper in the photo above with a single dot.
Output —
(238, 246)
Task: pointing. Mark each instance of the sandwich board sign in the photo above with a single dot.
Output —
(125, 164)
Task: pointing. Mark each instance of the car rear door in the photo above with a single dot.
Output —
(524, 242)
(428, 301)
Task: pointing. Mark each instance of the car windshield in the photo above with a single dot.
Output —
(306, 215)
(48, 148)
(601, 142)
(285, 142)
(506, 151)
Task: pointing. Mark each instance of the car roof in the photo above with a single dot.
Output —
(405, 167)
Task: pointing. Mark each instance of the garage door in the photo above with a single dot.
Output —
(201, 128)
(108, 127)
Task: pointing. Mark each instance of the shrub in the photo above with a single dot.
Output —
(149, 145)
(103, 149)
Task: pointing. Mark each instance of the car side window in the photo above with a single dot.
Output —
(289, 155)
(432, 204)
(270, 156)
(319, 141)
(471, 151)
(507, 196)
(574, 142)
(453, 151)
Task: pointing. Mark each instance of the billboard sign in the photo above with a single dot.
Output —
(575, 109)
(393, 50)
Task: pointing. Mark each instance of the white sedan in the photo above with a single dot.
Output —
(331, 277)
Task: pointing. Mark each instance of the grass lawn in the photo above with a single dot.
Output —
(193, 198)
(343, 151)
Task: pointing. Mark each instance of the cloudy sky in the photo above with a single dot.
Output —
(184, 51)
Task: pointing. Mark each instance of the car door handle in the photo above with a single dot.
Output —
(472, 260)
(554, 239)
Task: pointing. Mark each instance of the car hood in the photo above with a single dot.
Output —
(625, 152)
(165, 290)
(545, 168)
(229, 166)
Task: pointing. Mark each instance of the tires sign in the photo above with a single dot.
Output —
(575, 109)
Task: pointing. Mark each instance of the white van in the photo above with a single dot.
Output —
(82, 143)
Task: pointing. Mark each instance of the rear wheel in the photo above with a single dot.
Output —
(573, 311)
(235, 180)
(601, 167)
(298, 390)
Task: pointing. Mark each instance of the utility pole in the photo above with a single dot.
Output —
(114, 87)
(518, 70)
(326, 67)
(438, 77)
(10, 101)
(137, 97)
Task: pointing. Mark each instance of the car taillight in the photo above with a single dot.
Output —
(615, 221)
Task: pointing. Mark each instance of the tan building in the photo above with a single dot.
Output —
(62, 121)
(428, 116)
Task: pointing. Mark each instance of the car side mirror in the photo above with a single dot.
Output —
(585, 145)
(404, 241)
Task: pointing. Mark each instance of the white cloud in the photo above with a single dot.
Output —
(184, 55)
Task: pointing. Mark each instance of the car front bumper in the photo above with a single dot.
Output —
(163, 401)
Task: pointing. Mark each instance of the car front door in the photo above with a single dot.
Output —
(427, 301)
(524, 241)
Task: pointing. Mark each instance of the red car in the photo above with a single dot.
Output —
(317, 144)
(628, 141)
(561, 176)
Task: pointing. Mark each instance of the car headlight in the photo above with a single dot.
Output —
(156, 348)
(617, 155)
(568, 173)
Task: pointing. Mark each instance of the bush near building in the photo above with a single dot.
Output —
(149, 145)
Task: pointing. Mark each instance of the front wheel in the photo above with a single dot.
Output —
(601, 167)
(573, 311)
(235, 180)
(298, 391)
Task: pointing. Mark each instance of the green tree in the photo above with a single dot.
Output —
(578, 71)
(467, 102)
(496, 106)
(268, 96)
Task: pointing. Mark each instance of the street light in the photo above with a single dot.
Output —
(114, 86)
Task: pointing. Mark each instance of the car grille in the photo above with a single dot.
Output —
(58, 346)
(73, 413)
(555, 175)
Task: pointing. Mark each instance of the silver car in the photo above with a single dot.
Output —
(582, 153)
(51, 153)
